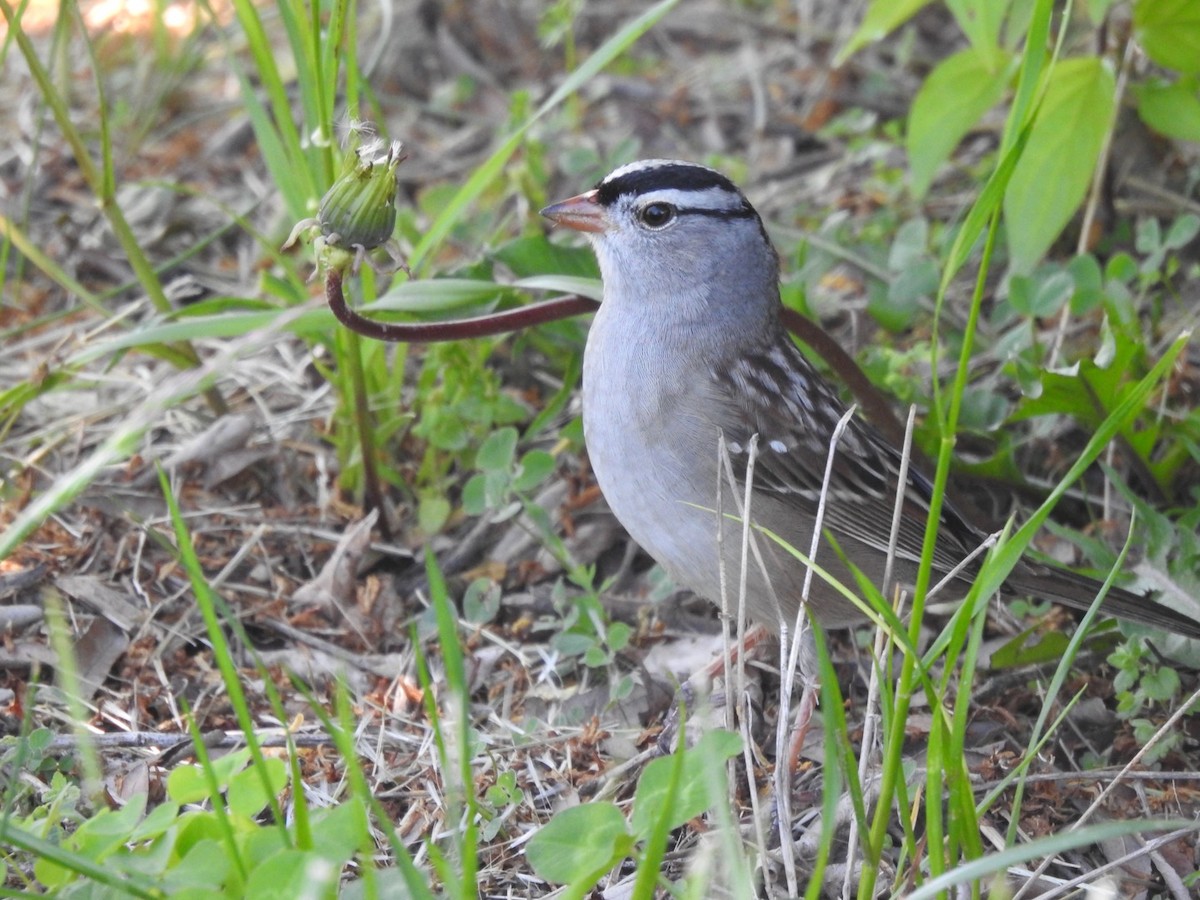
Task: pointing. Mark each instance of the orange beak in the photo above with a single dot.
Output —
(582, 213)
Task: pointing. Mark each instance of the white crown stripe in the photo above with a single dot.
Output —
(642, 165)
(713, 198)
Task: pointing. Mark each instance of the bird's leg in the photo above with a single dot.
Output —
(700, 680)
(810, 684)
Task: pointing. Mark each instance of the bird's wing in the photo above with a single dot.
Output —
(779, 397)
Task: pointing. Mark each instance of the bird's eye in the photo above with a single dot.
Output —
(657, 215)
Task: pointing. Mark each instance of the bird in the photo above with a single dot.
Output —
(687, 348)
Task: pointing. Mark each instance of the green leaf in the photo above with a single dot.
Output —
(108, 829)
(474, 495)
(1131, 404)
(206, 865)
(579, 844)
(896, 308)
(1182, 231)
(246, 795)
(1089, 283)
(1029, 648)
(619, 635)
(570, 643)
(496, 452)
(1169, 32)
(433, 509)
(1088, 391)
(535, 466)
(1170, 109)
(1053, 174)
(292, 873)
(339, 832)
(910, 245)
(1161, 684)
(693, 794)
(881, 17)
(438, 295)
(188, 784)
(1042, 297)
(564, 284)
(159, 820)
(951, 101)
(980, 21)
(536, 255)
(481, 601)
(983, 410)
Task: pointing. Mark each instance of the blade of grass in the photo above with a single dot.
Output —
(456, 753)
(341, 731)
(206, 600)
(997, 863)
(215, 797)
(121, 884)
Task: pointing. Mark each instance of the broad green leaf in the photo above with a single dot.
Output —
(262, 843)
(474, 495)
(292, 873)
(433, 509)
(980, 21)
(693, 794)
(1030, 648)
(1041, 297)
(1182, 232)
(910, 245)
(881, 18)
(1169, 32)
(1089, 391)
(1170, 109)
(579, 843)
(481, 601)
(896, 308)
(206, 865)
(1133, 402)
(159, 820)
(246, 795)
(566, 284)
(1161, 684)
(571, 643)
(1089, 283)
(496, 452)
(437, 294)
(535, 255)
(535, 466)
(108, 828)
(1054, 172)
(188, 784)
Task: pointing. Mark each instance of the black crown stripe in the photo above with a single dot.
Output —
(669, 176)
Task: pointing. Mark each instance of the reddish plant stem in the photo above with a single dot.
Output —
(874, 404)
(457, 329)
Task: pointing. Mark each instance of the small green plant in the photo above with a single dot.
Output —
(1076, 100)
(180, 847)
(501, 489)
(1145, 683)
(503, 483)
(498, 802)
(581, 844)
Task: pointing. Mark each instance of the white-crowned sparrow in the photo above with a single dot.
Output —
(688, 344)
